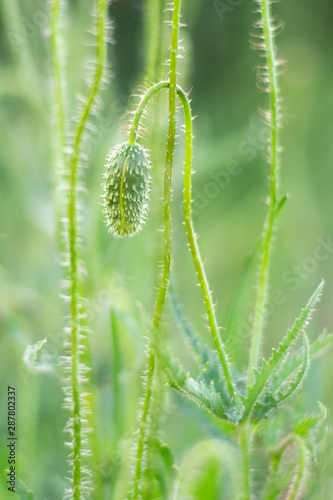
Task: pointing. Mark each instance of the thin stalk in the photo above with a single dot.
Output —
(259, 313)
(74, 252)
(141, 106)
(188, 218)
(207, 297)
(140, 451)
(170, 146)
(160, 298)
(245, 439)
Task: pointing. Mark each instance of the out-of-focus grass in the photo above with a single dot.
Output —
(219, 67)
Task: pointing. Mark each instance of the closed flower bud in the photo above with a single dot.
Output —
(126, 188)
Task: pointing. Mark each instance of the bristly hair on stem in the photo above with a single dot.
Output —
(74, 364)
(138, 472)
(268, 82)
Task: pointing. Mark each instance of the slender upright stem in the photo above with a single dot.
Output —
(259, 313)
(170, 146)
(141, 442)
(160, 299)
(72, 225)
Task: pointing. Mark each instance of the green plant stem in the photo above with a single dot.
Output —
(245, 439)
(259, 313)
(141, 106)
(207, 297)
(74, 250)
(188, 221)
(170, 146)
(160, 299)
(138, 470)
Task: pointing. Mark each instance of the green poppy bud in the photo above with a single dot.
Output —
(126, 188)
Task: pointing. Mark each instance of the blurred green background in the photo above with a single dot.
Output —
(229, 191)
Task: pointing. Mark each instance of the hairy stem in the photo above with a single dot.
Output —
(207, 297)
(170, 146)
(141, 443)
(259, 313)
(141, 106)
(72, 227)
(160, 299)
(188, 217)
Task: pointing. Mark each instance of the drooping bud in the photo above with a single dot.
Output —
(126, 188)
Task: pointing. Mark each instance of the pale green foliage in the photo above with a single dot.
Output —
(73, 362)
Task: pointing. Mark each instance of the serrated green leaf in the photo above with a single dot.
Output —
(303, 426)
(271, 400)
(198, 391)
(293, 363)
(271, 366)
(211, 370)
(201, 350)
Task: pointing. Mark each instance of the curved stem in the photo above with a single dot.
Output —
(188, 223)
(207, 297)
(259, 313)
(141, 106)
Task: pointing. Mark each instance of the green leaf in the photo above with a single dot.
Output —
(295, 384)
(202, 351)
(303, 426)
(205, 396)
(280, 205)
(293, 363)
(211, 370)
(271, 366)
(270, 400)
